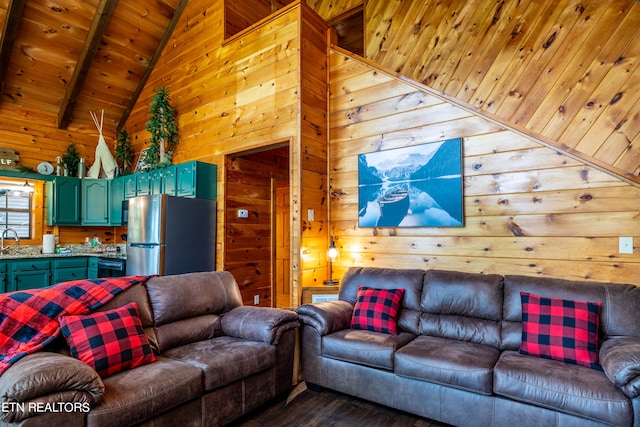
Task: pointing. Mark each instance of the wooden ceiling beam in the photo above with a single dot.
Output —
(9, 34)
(156, 56)
(103, 14)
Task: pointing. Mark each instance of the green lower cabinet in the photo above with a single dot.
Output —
(3, 277)
(93, 268)
(67, 269)
(29, 274)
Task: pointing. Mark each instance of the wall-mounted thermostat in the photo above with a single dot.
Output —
(243, 213)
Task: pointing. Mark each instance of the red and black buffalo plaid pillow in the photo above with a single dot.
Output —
(559, 329)
(109, 341)
(377, 310)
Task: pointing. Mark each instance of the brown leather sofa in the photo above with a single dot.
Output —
(217, 360)
(456, 356)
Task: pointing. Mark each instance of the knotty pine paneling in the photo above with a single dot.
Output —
(262, 87)
(230, 96)
(564, 72)
(36, 138)
(313, 151)
(529, 209)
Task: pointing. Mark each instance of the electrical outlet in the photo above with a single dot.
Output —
(626, 245)
(243, 213)
(256, 299)
(310, 215)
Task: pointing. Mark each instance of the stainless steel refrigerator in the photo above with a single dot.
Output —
(170, 235)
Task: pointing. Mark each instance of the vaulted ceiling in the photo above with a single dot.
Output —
(565, 72)
(68, 57)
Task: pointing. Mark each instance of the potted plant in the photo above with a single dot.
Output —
(163, 128)
(70, 159)
(124, 155)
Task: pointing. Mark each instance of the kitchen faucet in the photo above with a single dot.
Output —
(3, 248)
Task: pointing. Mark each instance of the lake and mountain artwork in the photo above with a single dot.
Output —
(418, 186)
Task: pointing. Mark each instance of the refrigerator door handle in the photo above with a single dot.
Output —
(145, 245)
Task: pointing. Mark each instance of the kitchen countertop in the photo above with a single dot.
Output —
(27, 252)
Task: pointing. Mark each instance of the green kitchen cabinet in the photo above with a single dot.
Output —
(116, 197)
(3, 277)
(95, 202)
(67, 269)
(169, 180)
(92, 267)
(29, 274)
(64, 195)
(196, 179)
(156, 186)
(143, 184)
(130, 185)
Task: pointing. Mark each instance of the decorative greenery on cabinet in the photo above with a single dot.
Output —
(163, 127)
(124, 155)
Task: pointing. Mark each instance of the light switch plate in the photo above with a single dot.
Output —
(311, 215)
(626, 245)
(243, 213)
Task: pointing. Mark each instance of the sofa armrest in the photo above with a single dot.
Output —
(258, 323)
(326, 317)
(620, 360)
(44, 379)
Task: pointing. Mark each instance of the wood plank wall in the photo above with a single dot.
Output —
(313, 151)
(528, 209)
(36, 138)
(565, 71)
(231, 96)
(240, 94)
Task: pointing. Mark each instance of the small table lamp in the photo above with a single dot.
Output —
(332, 256)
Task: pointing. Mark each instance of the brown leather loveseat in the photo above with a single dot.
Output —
(216, 360)
(456, 357)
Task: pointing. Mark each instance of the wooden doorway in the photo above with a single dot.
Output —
(257, 225)
(281, 212)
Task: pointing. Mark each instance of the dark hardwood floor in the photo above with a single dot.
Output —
(328, 408)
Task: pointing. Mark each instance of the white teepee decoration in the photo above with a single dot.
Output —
(104, 158)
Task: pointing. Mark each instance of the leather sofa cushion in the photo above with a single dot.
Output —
(367, 348)
(186, 331)
(462, 306)
(562, 387)
(224, 360)
(183, 296)
(45, 378)
(459, 364)
(620, 359)
(139, 394)
(411, 280)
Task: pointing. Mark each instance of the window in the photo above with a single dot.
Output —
(15, 208)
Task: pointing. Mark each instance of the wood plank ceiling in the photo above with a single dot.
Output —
(64, 58)
(567, 72)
